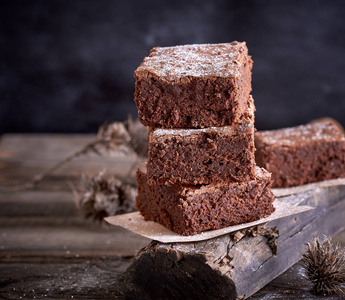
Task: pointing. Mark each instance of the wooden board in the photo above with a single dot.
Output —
(47, 250)
(225, 268)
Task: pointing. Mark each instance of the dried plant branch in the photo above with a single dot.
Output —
(90, 147)
(114, 137)
(324, 266)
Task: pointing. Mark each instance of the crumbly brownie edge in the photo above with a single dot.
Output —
(195, 102)
(190, 210)
(208, 156)
(158, 203)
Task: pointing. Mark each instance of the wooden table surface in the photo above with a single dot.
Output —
(49, 251)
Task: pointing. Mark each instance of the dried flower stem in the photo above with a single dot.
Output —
(113, 137)
(90, 147)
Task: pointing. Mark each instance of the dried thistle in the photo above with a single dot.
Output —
(130, 138)
(114, 137)
(104, 195)
(324, 266)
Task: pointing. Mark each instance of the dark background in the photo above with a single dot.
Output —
(67, 66)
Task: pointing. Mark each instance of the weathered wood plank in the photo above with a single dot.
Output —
(37, 203)
(23, 239)
(78, 278)
(45, 222)
(94, 279)
(24, 156)
(225, 269)
(292, 284)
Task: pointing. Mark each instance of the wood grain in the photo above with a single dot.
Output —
(22, 157)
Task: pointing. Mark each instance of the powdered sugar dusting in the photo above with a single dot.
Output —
(185, 132)
(242, 126)
(317, 131)
(221, 60)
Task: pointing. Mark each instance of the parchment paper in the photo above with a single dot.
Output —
(135, 222)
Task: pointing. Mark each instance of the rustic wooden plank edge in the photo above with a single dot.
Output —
(223, 268)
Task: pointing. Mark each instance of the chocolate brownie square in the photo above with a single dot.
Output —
(193, 86)
(189, 210)
(302, 154)
(203, 156)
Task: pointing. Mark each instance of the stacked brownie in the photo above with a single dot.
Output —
(201, 171)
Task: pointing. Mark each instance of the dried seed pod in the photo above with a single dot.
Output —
(324, 266)
(104, 195)
(115, 137)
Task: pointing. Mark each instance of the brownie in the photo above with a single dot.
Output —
(302, 154)
(192, 209)
(193, 86)
(203, 156)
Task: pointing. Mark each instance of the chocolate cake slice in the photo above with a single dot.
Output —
(203, 156)
(302, 154)
(191, 209)
(193, 86)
